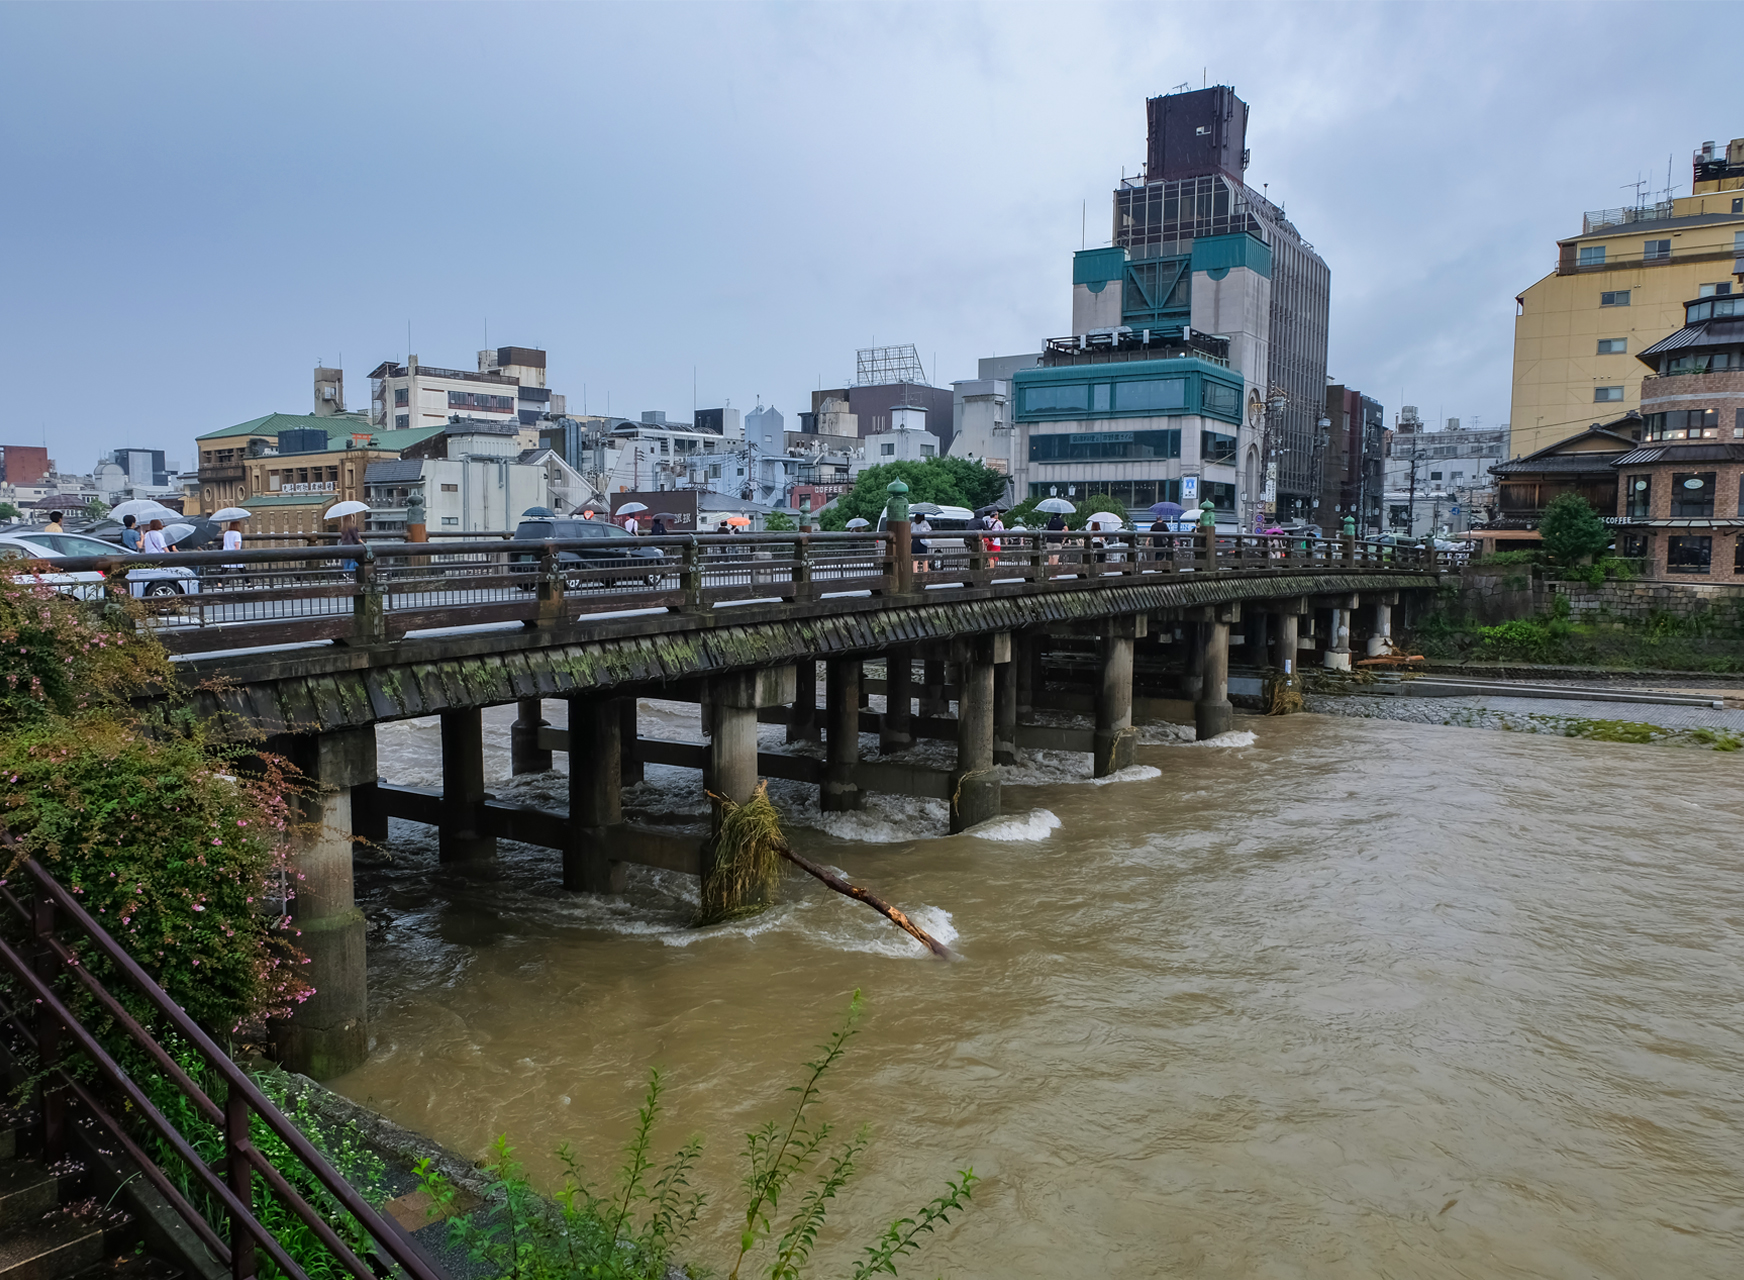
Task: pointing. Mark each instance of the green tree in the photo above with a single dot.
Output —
(950, 482)
(96, 509)
(1084, 506)
(777, 522)
(1571, 530)
(8, 511)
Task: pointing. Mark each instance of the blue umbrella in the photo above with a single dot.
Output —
(1166, 510)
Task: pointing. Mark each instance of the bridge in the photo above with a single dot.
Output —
(305, 651)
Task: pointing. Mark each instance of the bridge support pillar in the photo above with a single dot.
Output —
(1381, 637)
(932, 697)
(1255, 628)
(1115, 738)
(975, 783)
(369, 817)
(629, 768)
(842, 745)
(1193, 636)
(895, 730)
(328, 1034)
(1286, 634)
(460, 838)
(1005, 709)
(802, 725)
(1025, 652)
(596, 757)
(525, 754)
(1337, 656)
(1212, 713)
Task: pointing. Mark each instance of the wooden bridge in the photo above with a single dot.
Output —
(308, 653)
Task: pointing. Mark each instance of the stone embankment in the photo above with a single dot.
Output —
(1490, 594)
(1703, 727)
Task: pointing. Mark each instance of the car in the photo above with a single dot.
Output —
(146, 580)
(617, 548)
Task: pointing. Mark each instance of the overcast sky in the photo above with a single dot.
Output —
(202, 202)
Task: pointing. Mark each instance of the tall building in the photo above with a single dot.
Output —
(885, 378)
(1352, 467)
(1215, 309)
(1617, 288)
(509, 386)
(24, 464)
(1193, 190)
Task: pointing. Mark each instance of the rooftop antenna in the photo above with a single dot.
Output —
(1083, 224)
(1637, 185)
(1185, 84)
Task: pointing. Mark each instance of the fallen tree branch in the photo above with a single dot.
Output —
(871, 899)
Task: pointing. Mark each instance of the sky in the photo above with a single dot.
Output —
(719, 203)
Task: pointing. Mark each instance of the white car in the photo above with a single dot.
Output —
(154, 580)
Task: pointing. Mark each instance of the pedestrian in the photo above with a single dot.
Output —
(130, 534)
(233, 542)
(631, 527)
(997, 525)
(153, 543)
(349, 536)
(54, 523)
(1160, 525)
(918, 545)
(1056, 535)
(657, 528)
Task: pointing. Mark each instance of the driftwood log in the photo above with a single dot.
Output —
(871, 899)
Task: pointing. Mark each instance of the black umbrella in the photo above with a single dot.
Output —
(991, 509)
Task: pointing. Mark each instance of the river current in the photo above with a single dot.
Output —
(1347, 999)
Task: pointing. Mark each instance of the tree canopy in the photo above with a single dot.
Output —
(1571, 530)
(950, 482)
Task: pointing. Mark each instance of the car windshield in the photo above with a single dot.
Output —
(76, 545)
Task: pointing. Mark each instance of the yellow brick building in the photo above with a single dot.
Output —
(1618, 287)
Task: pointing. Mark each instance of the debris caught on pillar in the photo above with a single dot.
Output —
(746, 870)
(1283, 695)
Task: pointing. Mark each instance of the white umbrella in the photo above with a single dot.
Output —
(351, 508)
(1056, 505)
(1105, 520)
(859, 522)
(174, 533)
(631, 508)
(137, 507)
(230, 513)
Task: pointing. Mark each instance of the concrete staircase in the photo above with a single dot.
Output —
(51, 1228)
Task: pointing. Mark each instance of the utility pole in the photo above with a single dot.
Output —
(1411, 511)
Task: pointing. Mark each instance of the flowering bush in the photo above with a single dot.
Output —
(178, 854)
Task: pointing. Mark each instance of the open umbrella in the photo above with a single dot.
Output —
(1166, 510)
(1105, 520)
(859, 522)
(668, 516)
(1056, 506)
(229, 513)
(631, 508)
(351, 508)
(538, 513)
(992, 508)
(174, 533)
(924, 508)
(738, 522)
(137, 507)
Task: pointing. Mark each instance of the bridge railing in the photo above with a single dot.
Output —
(378, 591)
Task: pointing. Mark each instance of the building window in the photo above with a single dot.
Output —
(1682, 424)
(1221, 399)
(1614, 298)
(402, 397)
(1737, 207)
(479, 400)
(1688, 555)
(1153, 394)
(1133, 495)
(402, 421)
(1638, 497)
(927, 451)
(1435, 475)
(1592, 255)
(1061, 398)
(1720, 289)
(1655, 250)
(1632, 546)
(1104, 446)
(886, 450)
(1214, 446)
(450, 488)
(1602, 395)
(1692, 495)
(1100, 401)
(1613, 346)
(1222, 495)
(450, 519)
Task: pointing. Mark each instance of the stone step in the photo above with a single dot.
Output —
(27, 1191)
(51, 1250)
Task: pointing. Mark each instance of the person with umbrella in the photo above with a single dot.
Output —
(657, 527)
(153, 542)
(349, 534)
(918, 545)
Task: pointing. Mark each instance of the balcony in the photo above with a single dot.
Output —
(1568, 262)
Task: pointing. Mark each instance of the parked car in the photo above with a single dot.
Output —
(617, 549)
(147, 580)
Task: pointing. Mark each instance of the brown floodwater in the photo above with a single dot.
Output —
(1357, 999)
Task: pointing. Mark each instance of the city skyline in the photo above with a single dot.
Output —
(739, 201)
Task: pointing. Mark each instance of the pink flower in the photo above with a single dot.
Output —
(216, 840)
(198, 907)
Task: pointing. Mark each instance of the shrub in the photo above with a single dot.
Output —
(1571, 530)
(950, 482)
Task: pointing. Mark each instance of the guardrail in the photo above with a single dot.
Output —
(378, 592)
(75, 1066)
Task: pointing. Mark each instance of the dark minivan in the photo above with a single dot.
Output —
(617, 548)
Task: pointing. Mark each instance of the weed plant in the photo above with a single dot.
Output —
(632, 1228)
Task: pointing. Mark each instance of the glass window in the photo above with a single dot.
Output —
(886, 450)
(1614, 298)
(1099, 399)
(1214, 446)
(1592, 255)
(402, 421)
(1222, 495)
(1613, 346)
(927, 451)
(1638, 497)
(1056, 398)
(1603, 394)
(1221, 398)
(1689, 555)
(401, 397)
(1104, 446)
(1435, 475)
(1692, 495)
(1655, 250)
(1721, 289)
(1160, 393)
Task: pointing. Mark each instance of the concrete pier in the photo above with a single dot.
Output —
(802, 722)
(932, 695)
(462, 840)
(595, 795)
(1381, 632)
(328, 1034)
(842, 736)
(975, 783)
(1212, 712)
(1115, 737)
(1337, 655)
(525, 754)
(629, 768)
(1005, 711)
(895, 731)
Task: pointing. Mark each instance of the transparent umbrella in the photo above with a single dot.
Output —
(1056, 506)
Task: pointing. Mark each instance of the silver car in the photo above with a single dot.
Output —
(147, 580)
